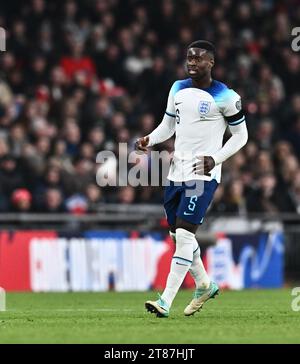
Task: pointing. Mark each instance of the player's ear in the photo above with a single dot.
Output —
(212, 62)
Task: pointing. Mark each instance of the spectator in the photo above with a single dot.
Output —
(234, 199)
(295, 192)
(126, 195)
(99, 73)
(11, 176)
(52, 201)
(94, 197)
(77, 66)
(267, 198)
(21, 200)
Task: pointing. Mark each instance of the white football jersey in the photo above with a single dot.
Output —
(201, 117)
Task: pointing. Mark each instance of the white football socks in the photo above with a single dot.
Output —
(197, 269)
(181, 263)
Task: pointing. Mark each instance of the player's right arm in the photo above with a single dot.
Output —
(163, 132)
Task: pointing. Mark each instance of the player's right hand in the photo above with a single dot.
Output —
(141, 144)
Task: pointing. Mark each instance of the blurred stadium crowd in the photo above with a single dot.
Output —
(79, 77)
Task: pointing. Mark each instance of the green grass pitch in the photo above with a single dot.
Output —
(249, 316)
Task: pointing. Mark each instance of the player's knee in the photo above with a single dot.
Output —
(184, 243)
(182, 224)
(185, 236)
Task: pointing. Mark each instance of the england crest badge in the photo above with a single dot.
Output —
(204, 107)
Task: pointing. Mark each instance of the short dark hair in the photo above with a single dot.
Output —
(203, 44)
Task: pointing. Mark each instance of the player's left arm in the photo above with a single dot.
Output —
(235, 117)
(239, 137)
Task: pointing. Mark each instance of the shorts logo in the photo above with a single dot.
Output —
(204, 107)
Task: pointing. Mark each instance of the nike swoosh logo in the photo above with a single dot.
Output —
(187, 213)
(177, 103)
(181, 264)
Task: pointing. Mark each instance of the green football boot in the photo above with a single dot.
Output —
(200, 297)
(159, 307)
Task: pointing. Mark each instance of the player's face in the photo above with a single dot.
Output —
(199, 63)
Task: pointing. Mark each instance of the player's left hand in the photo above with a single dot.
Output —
(204, 165)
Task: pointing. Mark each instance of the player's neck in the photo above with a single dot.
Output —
(204, 82)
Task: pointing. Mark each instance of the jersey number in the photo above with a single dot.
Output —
(192, 204)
